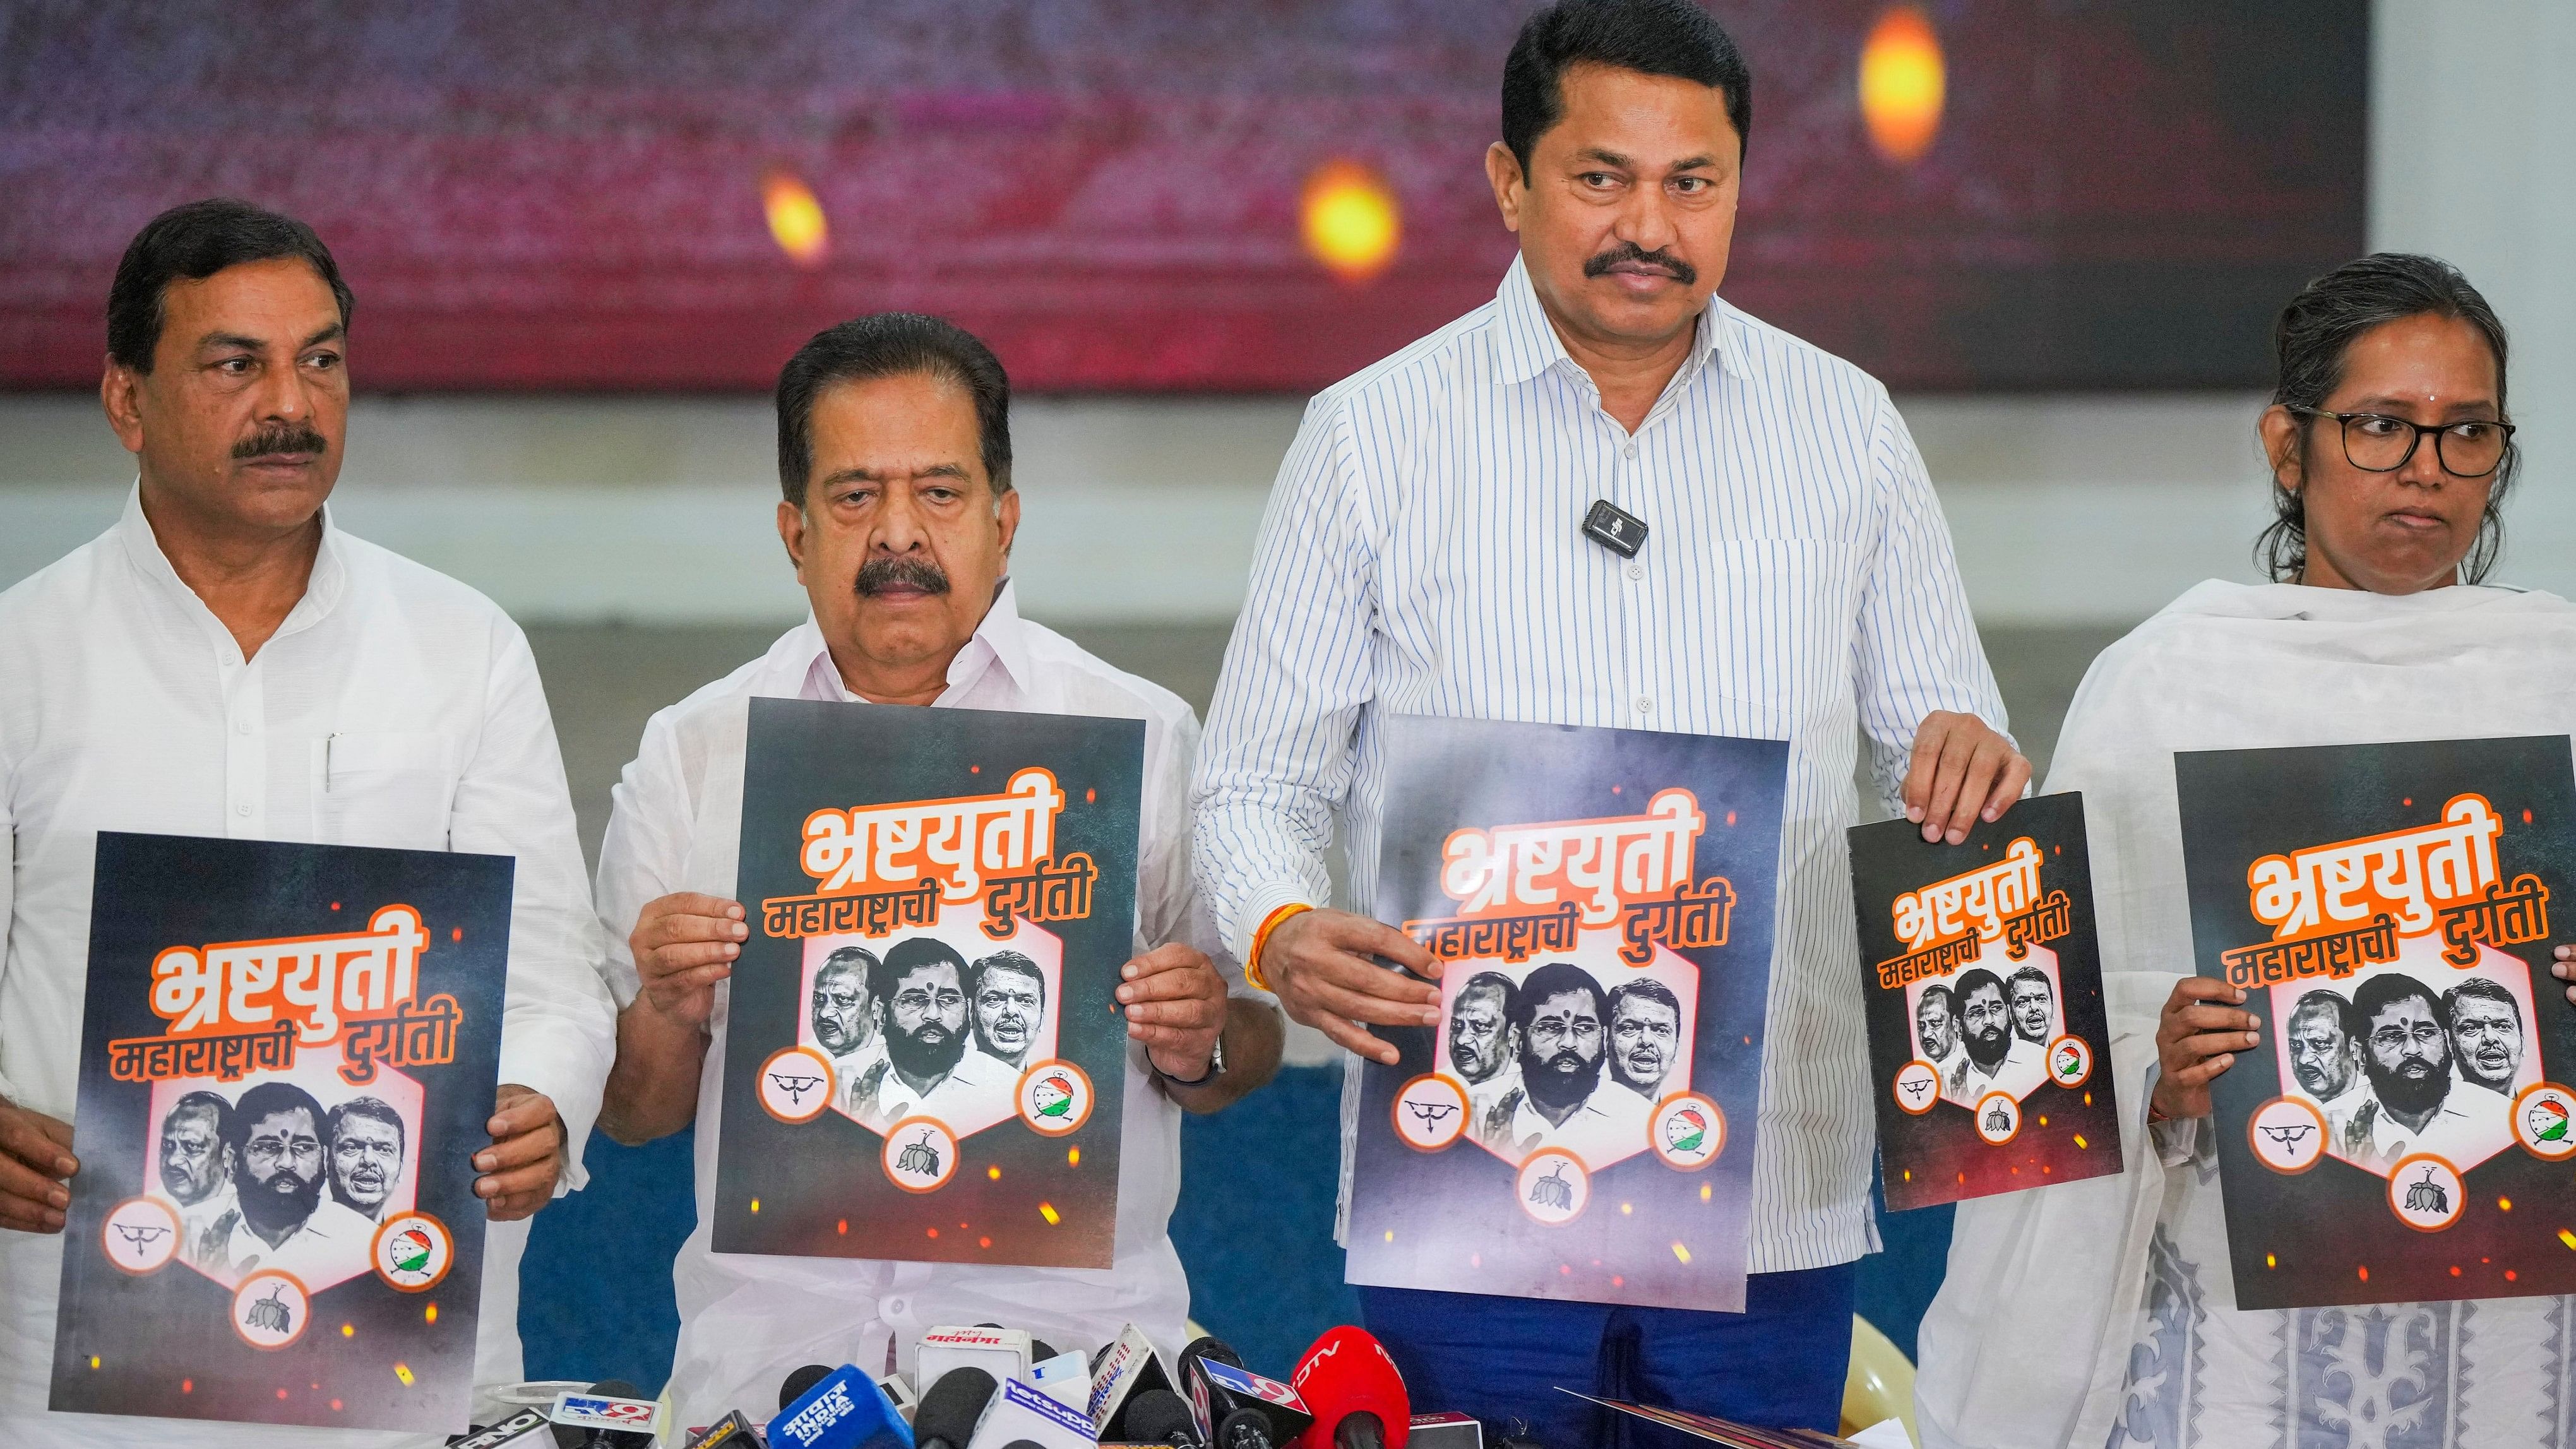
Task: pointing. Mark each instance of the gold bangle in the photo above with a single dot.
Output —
(1261, 938)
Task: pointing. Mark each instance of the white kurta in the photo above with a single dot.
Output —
(128, 706)
(2102, 1312)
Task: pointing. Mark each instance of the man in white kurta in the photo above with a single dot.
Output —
(2103, 1312)
(388, 706)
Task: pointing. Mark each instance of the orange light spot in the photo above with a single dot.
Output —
(983, 1242)
(755, 1204)
(2406, 800)
(2271, 1262)
(2043, 1121)
(1047, 1211)
(1073, 1157)
(402, 1371)
(189, 1386)
(1681, 1252)
(335, 905)
(2526, 816)
(348, 1330)
(2455, 1270)
(994, 1172)
(281, 1393)
(2508, 1275)
(1616, 1281)
(335, 1406)
(841, 1228)
(2504, 1204)
(1350, 220)
(1390, 1235)
(456, 933)
(1091, 797)
(2568, 1238)
(974, 769)
(1902, 84)
(1730, 817)
(795, 217)
(2365, 1274)
(93, 1358)
(2079, 1137)
(934, 1232)
(1703, 1192)
(429, 1314)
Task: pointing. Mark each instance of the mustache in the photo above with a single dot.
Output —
(880, 574)
(1567, 1062)
(280, 438)
(1629, 253)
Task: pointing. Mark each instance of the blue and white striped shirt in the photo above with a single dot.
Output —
(1420, 555)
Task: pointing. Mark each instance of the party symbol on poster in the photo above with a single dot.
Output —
(2288, 1135)
(1688, 1132)
(920, 1154)
(1918, 1087)
(141, 1235)
(2070, 1061)
(795, 1084)
(1553, 1187)
(412, 1252)
(2425, 1192)
(270, 1308)
(1998, 1118)
(2541, 1114)
(1055, 1098)
(1430, 1112)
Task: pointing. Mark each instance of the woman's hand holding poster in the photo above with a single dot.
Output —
(2401, 1133)
(1580, 1124)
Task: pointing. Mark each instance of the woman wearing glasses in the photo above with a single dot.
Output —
(2102, 1312)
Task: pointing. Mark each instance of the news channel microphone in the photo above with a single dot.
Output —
(1125, 1368)
(1234, 1407)
(800, 1383)
(526, 1429)
(614, 1414)
(1159, 1416)
(951, 1409)
(1350, 1382)
(734, 1431)
(839, 1409)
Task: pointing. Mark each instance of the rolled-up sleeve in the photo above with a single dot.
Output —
(1916, 647)
(558, 1031)
(1277, 758)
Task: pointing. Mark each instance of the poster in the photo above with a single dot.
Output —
(288, 1059)
(1580, 1124)
(2402, 1133)
(1988, 1042)
(924, 1060)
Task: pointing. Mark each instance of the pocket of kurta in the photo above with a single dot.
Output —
(391, 788)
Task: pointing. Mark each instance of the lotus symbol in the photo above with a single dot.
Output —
(919, 1156)
(1553, 1191)
(2427, 1196)
(270, 1314)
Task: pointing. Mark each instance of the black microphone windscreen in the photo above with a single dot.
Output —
(800, 1383)
(1156, 1416)
(1040, 1350)
(1024, 1444)
(1213, 1347)
(1359, 1431)
(949, 1410)
(616, 1389)
(1244, 1429)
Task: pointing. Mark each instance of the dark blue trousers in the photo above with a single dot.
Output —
(1778, 1364)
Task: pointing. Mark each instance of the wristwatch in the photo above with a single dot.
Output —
(1215, 1069)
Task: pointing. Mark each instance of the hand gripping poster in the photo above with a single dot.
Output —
(287, 1063)
(1580, 1124)
(1984, 1002)
(2402, 1132)
(923, 1056)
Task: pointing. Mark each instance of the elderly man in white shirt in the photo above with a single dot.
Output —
(183, 673)
(1765, 558)
(894, 456)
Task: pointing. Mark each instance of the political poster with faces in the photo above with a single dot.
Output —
(1983, 995)
(288, 1059)
(923, 1058)
(2402, 1133)
(1580, 1124)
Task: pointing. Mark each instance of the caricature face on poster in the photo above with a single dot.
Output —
(1601, 903)
(288, 1056)
(917, 1025)
(2385, 908)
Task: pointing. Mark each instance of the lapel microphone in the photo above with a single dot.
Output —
(1614, 528)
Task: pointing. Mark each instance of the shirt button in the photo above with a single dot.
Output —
(242, 728)
(895, 1306)
(1645, 705)
(242, 808)
(1629, 451)
(1636, 571)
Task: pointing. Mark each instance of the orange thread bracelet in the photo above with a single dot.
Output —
(1261, 938)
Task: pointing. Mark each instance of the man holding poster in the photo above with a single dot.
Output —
(225, 662)
(1608, 499)
(898, 513)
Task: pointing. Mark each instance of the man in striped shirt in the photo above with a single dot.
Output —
(1422, 554)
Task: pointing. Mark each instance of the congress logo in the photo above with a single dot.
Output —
(2541, 1121)
(1918, 1087)
(1055, 1098)
(2426, 1193)
(141, 1235)
(2288, 1135)
(920, 1154)
(412, 1252)
(270, 1309)
(1553, 1187)
(1998, 1118)
(1688, 1131)
(2070, 1061)
(795, 1084)
(1430, 1112)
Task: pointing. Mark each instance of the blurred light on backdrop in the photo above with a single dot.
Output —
(1902, 83)
(1351, 221)
(795, 218)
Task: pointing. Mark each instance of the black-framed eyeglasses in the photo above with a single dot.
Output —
(2378, 443)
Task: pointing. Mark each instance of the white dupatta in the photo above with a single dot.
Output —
(2029, 1340)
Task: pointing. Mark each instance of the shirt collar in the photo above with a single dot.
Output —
(322, 591)
(1001, 639)
(1526, 344)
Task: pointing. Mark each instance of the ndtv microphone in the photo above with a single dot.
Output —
(1352, 1386)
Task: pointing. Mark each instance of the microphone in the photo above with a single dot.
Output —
(522, 1429)
(612, 1415)
(1125, 1369)
(733, 1431)
(800, 1383)
(1159, 1416)
(1004, 1353)
(840, 1409)
(1351, 1383)
(1022, 1412)
(1235, 1408)
(951, 1409)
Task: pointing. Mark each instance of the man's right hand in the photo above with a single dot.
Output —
(684, 944)
(35, 1162)
(1317, 963)
(2196, 1041)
